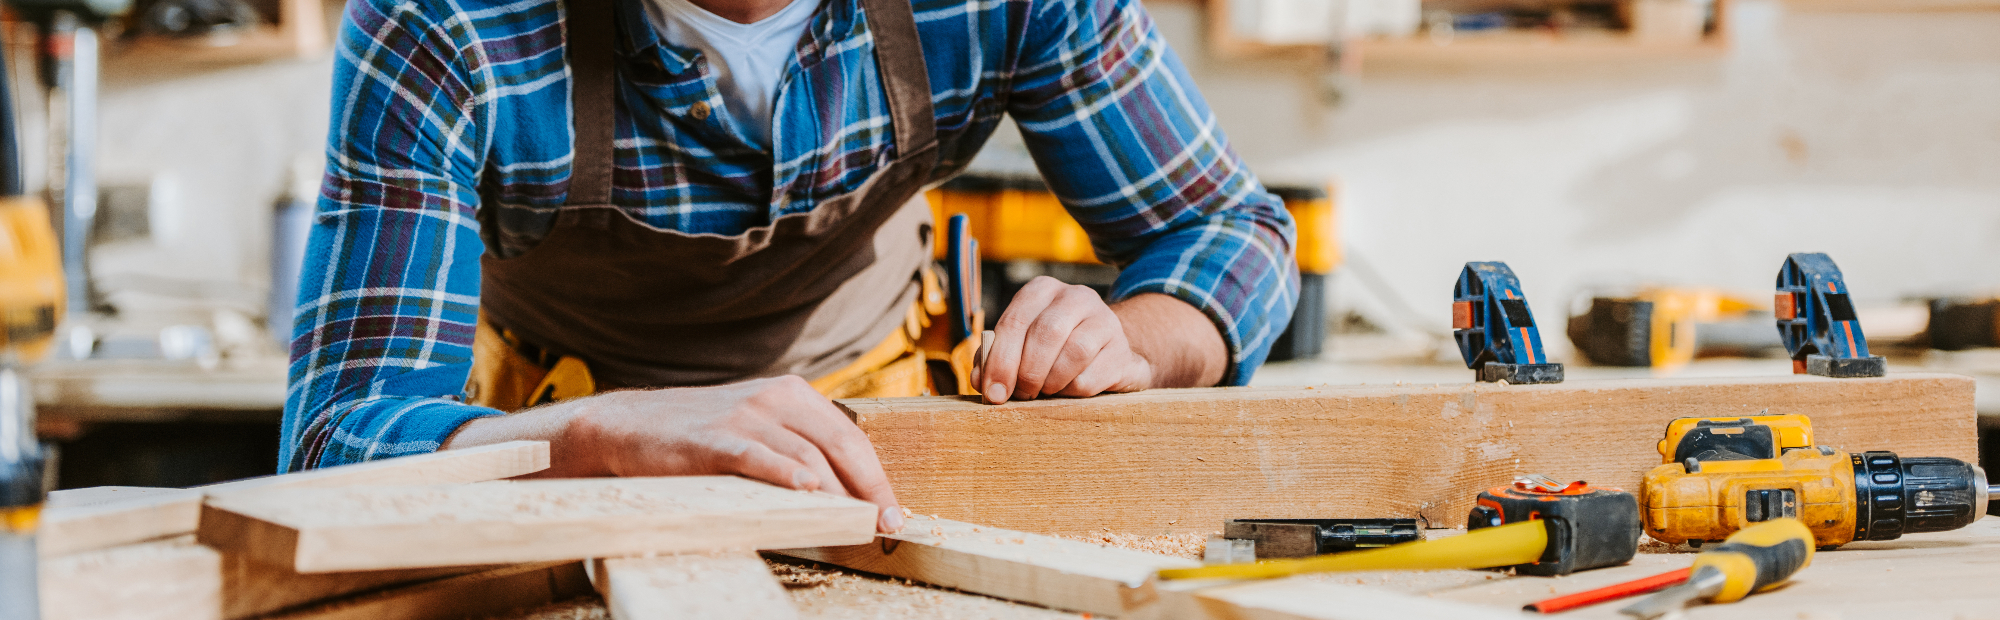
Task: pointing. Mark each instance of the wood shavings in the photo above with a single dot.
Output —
(840, 595)
(581, 608)
(1648, 545)
(1177, 545)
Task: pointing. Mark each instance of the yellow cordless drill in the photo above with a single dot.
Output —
(1720, 475)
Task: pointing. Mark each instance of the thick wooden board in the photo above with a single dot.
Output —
(80, 520)
(95, 518)
(1031, 568)
(695, 586)
(373, 528)
(476, 595)
(179, 579)
(475, 464)
(1182, 461)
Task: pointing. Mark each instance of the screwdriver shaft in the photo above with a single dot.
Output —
(1703, 584)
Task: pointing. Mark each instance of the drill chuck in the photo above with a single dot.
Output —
(1894, 496)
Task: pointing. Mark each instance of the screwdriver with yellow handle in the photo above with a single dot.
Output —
(1754, 559)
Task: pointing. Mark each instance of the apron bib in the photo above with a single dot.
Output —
(642, 307)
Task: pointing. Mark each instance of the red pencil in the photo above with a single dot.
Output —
(1611, 592)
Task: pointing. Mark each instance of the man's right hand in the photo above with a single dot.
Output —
(776, 430)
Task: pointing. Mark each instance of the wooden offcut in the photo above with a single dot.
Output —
(1182, 461)
(100, 517)
(373, 528)
(724, 585)
(1018, 566)
(475, 464)
(181, 580)
(476, 595)
(80, 520)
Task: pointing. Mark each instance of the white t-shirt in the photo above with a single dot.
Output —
(745, 60)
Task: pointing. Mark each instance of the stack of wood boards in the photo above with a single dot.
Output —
(436, 542)
(1182, 461)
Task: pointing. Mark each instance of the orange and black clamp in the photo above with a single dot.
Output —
(1590, 527)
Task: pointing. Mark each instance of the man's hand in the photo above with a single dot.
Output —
(776, 430)
(1057, 339)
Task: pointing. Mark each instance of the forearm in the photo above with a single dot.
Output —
(1183, 346)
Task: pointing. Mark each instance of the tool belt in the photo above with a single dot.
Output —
(920, 359)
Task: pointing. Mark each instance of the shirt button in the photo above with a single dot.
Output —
(699, 110)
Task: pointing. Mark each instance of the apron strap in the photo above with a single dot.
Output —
(593, 90)
(592, 45)
(899, 54)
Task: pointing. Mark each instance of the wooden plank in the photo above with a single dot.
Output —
(180, 579)
(95, 518)
(372, 528)
(1182, 461)
(476, 595)
(1031, 568)
(723, 586)
(80, 520)
(1301, 598)
(252, 589)
(167, 580)
(475, 464)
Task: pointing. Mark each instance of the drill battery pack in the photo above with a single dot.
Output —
(1611, 538)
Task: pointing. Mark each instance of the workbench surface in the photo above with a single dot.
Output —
(1945, 576)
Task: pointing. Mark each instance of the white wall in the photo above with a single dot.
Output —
(1875, 137)
(224, 142)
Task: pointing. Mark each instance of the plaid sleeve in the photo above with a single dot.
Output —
(389, 294)
(1126, 142)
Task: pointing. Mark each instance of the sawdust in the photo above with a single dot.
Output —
(1648, 545)
(1176, 545)
(825, 593)
(589, 607)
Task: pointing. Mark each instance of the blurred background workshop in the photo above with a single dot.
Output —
(1644, 167)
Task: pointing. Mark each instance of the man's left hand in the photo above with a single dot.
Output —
(1059, 339)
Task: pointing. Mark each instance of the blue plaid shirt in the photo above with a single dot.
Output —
(451, 138)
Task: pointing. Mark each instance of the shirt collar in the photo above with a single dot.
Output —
(832, 23)
(642, 42)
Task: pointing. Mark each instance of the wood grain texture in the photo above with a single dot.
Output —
(1301, 599)
(1182, 461)
(723, 585)
(476, 595)
(95, 518)
(475, 464)
(169, 580)
(1031, 568)
(178, 578)
(373, 528)
(80, 520)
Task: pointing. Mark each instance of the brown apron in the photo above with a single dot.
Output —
(641, 307)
